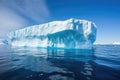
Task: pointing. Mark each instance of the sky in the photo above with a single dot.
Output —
(17, 14)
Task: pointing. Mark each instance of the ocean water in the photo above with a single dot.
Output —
(100, 63)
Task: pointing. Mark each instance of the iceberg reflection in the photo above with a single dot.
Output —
(44, 59)
(52, 64)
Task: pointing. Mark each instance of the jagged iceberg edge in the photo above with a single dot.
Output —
(69, 34)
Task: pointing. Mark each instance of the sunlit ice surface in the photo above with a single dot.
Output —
(69, 34)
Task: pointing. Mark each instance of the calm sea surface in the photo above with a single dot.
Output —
(101, 63)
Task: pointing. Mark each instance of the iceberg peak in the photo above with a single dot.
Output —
(70, 34)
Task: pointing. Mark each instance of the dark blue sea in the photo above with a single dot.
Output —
(100, 63)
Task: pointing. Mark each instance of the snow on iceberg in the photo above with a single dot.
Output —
(69, 34)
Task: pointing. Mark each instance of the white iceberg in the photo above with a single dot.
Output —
(3, 42)
(69, 34)
(116, 43)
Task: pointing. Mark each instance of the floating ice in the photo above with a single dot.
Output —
(69, 34)
(3, 42)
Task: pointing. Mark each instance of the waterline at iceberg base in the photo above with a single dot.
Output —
(69, 34)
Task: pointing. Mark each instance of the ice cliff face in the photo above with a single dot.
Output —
(72, 33)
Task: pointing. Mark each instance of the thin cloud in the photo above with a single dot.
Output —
(10, 21)
(15, 14)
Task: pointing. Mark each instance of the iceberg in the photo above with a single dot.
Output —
(116, 43)
(68, 34)
(3, 42)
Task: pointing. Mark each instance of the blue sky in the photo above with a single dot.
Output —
(16, 14)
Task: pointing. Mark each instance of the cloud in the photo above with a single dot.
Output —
(10, 21)
(15, 14)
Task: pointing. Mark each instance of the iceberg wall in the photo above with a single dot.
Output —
(69, 34)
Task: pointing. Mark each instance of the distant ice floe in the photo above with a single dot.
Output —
(3, 42)
(116, 43)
